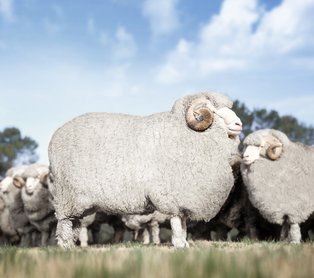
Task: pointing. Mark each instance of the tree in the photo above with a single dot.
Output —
(15, 149)
(262, 118)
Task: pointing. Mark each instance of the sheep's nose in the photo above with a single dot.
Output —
(238, 123)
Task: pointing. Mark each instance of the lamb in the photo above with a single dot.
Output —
(36, 199)
(13, 200)
(175, 162)
(279, 178)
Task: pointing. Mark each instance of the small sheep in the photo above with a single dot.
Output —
(279, 178)
(36, 199)
(174, 162)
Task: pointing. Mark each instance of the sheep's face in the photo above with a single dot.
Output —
(251, 154)
(5, 183)
(231, 121)
(269, 148)
(31, 185)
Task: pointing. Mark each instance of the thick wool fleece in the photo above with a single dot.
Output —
(283, 187)
(124, 164)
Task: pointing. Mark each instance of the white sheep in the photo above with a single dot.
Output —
(13, 201)
(6, 226)
(174, 162)
(36, 199)
(279, 178)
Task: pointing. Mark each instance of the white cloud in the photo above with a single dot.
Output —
(6, 10)
(162, 15)
(124, 45)
(241, 37)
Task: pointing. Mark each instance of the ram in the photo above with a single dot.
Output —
(176, 162)
(279, 178)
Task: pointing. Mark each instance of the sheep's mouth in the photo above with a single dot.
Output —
(247, 161)
(234, 128)
(234, 131)
(29, 192)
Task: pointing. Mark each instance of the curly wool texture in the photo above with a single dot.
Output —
(283, 187)
(124, 164)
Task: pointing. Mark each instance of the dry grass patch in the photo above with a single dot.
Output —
(203, 259)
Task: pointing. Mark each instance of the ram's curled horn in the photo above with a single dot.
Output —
(198, 116)
(18, 182)
(274, 151)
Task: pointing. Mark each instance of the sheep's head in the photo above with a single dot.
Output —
(261, 144)
(201, 113)
(5, 183)
(35, 181)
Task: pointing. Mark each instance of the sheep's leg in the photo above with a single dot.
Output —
(118, 235)
(284, 231)
(64, 233)
(154, 226)
(25, 240)
(44, 238)
(294, 235)
(184, 228)
(178, 239)
(146, 236)
(135, 235)
(52, 237)
(83, 237)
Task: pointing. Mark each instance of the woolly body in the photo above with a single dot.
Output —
(124, 164)
(283, 187)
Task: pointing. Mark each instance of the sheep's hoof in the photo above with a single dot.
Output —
(180, 243)
(295, 242)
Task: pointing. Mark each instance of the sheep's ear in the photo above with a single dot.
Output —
(198, 116)
(18, 182)
(44, 179)
(274, 151)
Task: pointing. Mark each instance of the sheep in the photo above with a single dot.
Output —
(13, 200)
(148, 223)
(36, 199)
(279, 178)
(6, 226)
(175, 162)
(112, 220)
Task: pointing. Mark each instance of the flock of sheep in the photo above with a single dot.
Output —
(185, 169)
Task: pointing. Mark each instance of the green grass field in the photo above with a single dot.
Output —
(202, 259)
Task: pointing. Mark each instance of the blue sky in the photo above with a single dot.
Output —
(59, 59)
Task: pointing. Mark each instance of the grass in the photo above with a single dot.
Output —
(203, 259)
